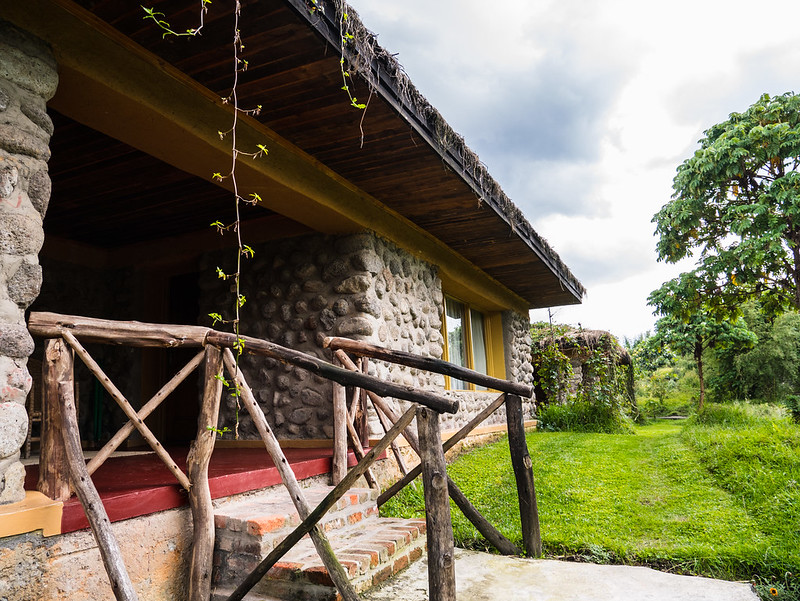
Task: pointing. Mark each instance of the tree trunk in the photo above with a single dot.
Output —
(698, 356)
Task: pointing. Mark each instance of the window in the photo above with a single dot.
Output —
(466, 335)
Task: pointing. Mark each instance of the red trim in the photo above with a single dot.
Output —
(139, 485)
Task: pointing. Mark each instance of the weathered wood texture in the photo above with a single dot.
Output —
(53, 471)
(361, 417)
(492, 534)
(438, 366)
(441, 552)
(309, 523)
(110, 552)
(127, 409)
(142, 414)
(340, 423)
(355, 442)
(170, 336)
(522, 464)
(321, 543)
(122, 333)
(202, 560)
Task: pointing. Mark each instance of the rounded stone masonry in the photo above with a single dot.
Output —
(306, 288)
(28, 79)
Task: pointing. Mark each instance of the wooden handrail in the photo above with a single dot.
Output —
(139, 334)
(438, 366)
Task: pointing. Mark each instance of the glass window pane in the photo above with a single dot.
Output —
(479, 361)
(456, 337)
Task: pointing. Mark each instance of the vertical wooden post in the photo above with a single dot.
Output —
(362, 421)
(522, 464)
(53, 468)
(441, 559)
(199, 493)
(90, 499)
(339, 467)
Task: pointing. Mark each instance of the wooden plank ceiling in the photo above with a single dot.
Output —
(294, 74)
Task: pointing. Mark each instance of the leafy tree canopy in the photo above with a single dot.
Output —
(736, 207)
(692, 322)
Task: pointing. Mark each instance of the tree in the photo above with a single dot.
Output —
(770, 370)
(736, 206)
(690, 325)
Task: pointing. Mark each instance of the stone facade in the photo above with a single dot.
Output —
(361, 286)
(156, 551)
(27, 80)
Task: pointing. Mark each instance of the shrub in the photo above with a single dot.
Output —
(792, 404)
(583, 416)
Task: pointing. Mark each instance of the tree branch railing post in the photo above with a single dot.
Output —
(428, 444)
(57, 367)
(528, 511)
(523, 473)
(197, 462)
(439, 527)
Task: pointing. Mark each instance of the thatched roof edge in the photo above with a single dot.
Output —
(386, 76)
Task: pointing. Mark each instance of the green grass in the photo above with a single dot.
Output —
(709, 499)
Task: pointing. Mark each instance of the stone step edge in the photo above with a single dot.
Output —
(349, 510)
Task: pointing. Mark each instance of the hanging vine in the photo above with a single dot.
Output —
(244, 251)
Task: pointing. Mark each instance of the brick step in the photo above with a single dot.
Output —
(371, 549)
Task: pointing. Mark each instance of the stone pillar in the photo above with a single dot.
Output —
(27, 80)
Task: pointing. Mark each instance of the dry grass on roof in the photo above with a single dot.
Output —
(369, 59)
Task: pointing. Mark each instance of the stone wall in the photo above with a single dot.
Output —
(517, 348)
(361, 286)
(27, 80)
(303, 289)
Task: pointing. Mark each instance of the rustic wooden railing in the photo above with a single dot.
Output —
(511, 393)
(61, 460)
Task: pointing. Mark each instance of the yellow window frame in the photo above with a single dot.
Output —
(493, 341)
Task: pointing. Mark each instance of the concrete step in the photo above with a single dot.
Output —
(371, 549)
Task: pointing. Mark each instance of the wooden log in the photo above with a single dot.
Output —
(340, 423)
(439, 527)
(362, 421)
(522, 464)
(124, 333)
(197, 461)
(127, 409)
(309, 523)
(359, 452)
(53, 470)
(142, 414)
(438, 366)
(321, 543)
(446, 446)
(386, 424)
(110, 553)
(342, 376)
(159, 335)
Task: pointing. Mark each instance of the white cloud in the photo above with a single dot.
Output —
(582, 111)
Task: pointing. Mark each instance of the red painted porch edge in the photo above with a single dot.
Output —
(140, 485)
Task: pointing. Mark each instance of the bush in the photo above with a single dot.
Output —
(792, 404)
(583, 416)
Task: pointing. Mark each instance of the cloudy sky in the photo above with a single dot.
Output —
(583, 110)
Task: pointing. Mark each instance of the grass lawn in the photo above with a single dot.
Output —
(711, 500)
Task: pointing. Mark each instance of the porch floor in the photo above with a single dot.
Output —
(137, 485)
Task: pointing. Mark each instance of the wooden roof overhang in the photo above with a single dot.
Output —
(395, 168)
